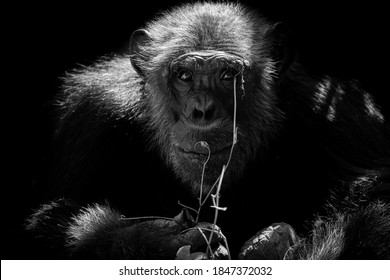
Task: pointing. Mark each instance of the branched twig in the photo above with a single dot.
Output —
(216, 197)
(215, 205)
(235, 133)
(218, 182)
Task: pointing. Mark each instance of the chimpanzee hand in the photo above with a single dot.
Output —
(271, 243)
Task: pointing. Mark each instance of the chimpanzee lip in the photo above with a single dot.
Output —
(198, 152)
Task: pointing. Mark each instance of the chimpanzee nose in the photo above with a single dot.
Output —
(204, 110)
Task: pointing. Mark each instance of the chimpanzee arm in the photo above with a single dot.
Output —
(67, 230)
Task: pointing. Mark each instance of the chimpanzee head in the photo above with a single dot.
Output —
(191, 61)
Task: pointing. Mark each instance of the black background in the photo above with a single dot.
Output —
(44, 40)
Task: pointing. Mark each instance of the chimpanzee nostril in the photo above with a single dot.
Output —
(209, 113)
(197, 114)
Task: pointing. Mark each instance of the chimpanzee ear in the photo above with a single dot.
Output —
(138, 39)
(282, 47)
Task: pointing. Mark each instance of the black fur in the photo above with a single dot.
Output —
(313, 152)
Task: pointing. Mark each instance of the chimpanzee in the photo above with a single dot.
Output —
(212, 113)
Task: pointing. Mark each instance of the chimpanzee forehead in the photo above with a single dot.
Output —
(224, 27)
(200, 29)
(210, 58)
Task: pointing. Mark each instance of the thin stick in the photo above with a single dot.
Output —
(145, 218)
(205, 238)
(186, 207)
(205, 145)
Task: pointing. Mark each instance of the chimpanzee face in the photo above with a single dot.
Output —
(197, 94)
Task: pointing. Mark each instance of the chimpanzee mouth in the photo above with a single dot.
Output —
(204, 152)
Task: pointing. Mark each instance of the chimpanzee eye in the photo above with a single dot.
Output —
(228, 74)
(185, 75)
